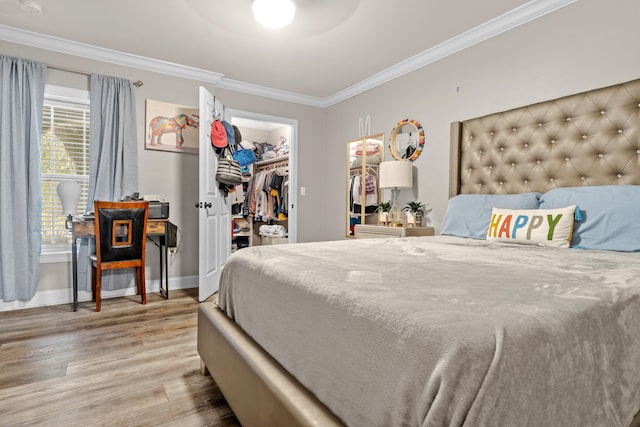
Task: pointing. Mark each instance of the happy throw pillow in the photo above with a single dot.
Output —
(542, 227)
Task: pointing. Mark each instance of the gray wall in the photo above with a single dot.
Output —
(589, 44)
(583, 46)
(175, 176)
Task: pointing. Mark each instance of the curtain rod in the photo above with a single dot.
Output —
(71, 70)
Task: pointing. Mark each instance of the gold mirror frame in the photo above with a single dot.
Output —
(393, 143)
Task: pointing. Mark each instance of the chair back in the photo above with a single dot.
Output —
(120, 230)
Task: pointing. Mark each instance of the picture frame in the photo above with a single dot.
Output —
(171, 127)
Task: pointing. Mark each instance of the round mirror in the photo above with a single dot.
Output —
(406, 140)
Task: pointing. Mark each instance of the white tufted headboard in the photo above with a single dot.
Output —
(590, 138)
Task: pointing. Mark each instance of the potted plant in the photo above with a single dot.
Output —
(383, 212)
(415, 211)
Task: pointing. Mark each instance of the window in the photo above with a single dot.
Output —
(64, 156)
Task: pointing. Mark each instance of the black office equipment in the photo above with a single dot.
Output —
(158, 210)
(172, 235)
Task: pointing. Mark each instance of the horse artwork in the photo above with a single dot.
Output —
(163, 119)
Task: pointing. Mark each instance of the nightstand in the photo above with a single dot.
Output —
(365, 231)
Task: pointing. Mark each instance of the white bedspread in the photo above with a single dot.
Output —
(447, 331)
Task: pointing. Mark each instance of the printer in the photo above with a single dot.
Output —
(158, 210)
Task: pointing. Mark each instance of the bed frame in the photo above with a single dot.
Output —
(590, 138)
(259, 391)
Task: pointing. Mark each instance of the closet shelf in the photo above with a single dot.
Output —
(281, 159)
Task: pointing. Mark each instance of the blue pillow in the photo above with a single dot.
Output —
(468, 215)
(609, 215)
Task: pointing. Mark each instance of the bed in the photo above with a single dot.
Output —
(495, 322)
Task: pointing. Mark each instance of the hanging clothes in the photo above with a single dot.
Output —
(371, 194)
(268, 194)
(237, 198)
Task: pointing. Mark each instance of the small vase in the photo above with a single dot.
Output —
(419, 219)
(383, 218)
(411, 219)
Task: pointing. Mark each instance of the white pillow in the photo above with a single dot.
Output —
(542, 227)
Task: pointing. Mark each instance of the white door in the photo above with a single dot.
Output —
(214, 217)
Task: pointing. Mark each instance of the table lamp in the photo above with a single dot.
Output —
(396, 174)
(69, 194)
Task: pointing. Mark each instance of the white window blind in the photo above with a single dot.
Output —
(64, 156)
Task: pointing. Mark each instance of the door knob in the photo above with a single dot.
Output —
(207, 205)
(198, 204)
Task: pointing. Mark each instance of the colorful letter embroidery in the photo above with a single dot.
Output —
(504, 229)
(500, 225)
(552, 225)
(536, 221)
(521, 221)
(493, 225)
(543, 227)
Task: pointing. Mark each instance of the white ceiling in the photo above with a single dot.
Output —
(333, 50)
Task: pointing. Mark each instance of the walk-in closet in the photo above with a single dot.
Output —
(261, 204)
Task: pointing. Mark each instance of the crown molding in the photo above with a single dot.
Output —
(282, 95)
(83, 50)
(503, 23)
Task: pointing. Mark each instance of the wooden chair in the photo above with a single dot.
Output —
(121, 234)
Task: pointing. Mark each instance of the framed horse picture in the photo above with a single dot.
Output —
(171, 127)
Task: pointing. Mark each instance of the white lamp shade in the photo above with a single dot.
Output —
(69, 194)
(273, 13)
(396, 174)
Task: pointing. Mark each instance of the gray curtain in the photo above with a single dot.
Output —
(113, 155)
(22, 85)
(113, 158)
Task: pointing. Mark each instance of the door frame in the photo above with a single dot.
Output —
(293, 162)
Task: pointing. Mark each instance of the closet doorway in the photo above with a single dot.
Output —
(267, 214)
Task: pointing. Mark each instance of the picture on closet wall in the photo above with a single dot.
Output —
(171, 127)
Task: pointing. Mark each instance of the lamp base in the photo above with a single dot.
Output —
(395, 215)
(67, 222)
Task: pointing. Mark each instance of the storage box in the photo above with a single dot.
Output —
(274, 240)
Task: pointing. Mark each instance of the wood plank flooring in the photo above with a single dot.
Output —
(129, 365)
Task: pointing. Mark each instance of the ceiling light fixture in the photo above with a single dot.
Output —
(273, 13)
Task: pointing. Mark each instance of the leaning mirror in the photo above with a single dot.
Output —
(363, 191)
(407, 140)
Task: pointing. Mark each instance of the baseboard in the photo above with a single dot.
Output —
(65, 296)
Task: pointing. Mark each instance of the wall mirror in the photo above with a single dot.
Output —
(407, 140)
(363, 191)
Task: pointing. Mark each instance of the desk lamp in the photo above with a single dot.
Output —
(396, 174)
(69, 194)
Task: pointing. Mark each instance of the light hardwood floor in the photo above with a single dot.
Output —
(129, 365)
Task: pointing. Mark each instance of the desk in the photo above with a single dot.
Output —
(156, 229)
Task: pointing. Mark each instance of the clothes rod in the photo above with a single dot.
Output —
(273, 163)
(71, 70)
